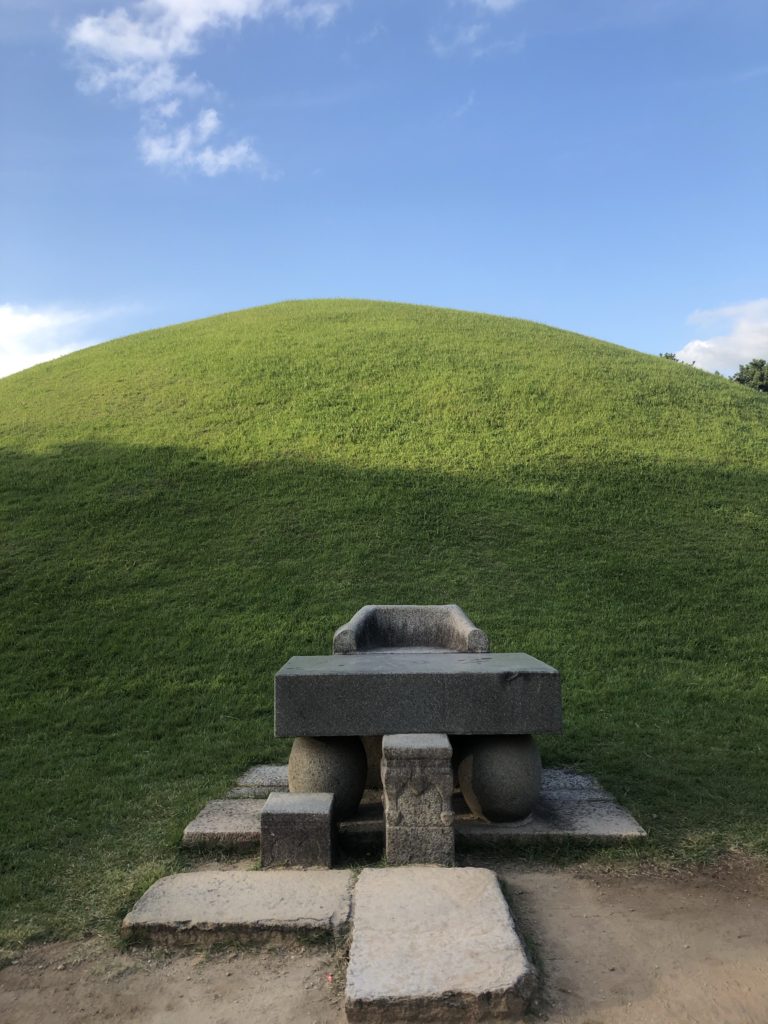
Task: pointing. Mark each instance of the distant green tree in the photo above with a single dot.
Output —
(669, 355)
(754, 374)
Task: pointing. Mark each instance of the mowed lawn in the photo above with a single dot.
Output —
(185, 509)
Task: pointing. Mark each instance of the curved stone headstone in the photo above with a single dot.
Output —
(406, 628)
(377, 628)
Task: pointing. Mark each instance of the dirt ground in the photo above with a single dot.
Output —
(610, 949)
(646, 950)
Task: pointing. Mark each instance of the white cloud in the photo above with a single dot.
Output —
(135, 51)
(742, 336)
(30, 336)
(188, 146)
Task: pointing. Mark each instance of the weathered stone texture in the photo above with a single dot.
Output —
(571, 805)
(420, 845)
(434, 944)
(417, 777)
(499, 776)
(425, 627)
(381, 694)
(297, 830)
(227, 825)
(329, 765)
(209, 906)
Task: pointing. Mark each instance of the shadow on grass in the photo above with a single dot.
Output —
(149, 595)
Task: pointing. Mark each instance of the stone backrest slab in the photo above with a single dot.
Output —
(378, 694)
(433, 627)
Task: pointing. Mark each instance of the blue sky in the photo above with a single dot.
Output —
(599, 165)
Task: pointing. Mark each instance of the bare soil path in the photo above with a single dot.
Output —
(611, 948)
(646, 950)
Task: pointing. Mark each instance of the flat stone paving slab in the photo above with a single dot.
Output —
(266, 776)
(259, 781)
(226, 824)
(555, 781)
(572, 805)
(209, 906)
(434, 944)
(381, 694)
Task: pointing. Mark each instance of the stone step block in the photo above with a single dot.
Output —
(204, 907)
(434, 944)
(226, 825)
(297, 831)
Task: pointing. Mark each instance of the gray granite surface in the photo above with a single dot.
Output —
(379, 694)
(434, 944)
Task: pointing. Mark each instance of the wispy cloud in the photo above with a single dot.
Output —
(473, 40)
(29, 336)
(742, 335)
(136, 52)
(497, 6)
(188, 146)
(372, 34)
(466, 37)
(466, 106)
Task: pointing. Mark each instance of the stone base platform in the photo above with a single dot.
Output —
(572, 806)
(434, 944)
(204, 907)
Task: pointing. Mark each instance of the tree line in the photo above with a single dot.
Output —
(753, 374)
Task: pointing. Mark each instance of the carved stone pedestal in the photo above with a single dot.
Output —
(417, 779)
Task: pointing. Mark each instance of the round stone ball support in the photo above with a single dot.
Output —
(499, 776)
(331, 764)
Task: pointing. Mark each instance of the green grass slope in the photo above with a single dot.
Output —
(182, 510)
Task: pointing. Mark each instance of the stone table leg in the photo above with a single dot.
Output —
(417, 778)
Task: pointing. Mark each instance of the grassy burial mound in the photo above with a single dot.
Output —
(185, 509)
